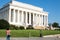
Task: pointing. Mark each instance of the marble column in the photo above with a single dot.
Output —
(42, 20)
(39, 20)
(26, 18)
(9, 15)
(22, 18)
(36, 20)
(33, 19)
(20, 13)
(18, 17)
(14, 15)
(30, 18)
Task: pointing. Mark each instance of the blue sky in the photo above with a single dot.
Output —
(51, 6)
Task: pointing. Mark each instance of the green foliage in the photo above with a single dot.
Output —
(21, 27)
(55, 24)
(49, 24)
(4, 24)
(13, 27)
(30, 27)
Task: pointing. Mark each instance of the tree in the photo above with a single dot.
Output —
(55, 24)
(49, 24)
(4, 24)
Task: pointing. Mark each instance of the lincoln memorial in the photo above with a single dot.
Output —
(23, 14)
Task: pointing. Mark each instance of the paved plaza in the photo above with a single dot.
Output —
(33, 38)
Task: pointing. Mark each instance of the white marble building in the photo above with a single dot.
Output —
(22, 14)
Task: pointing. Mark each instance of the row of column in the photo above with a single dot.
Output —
(27, 18)
(40, 20)
(16, 16)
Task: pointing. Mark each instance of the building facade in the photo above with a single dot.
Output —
(22, 14)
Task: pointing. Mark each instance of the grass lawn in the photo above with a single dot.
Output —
(27, 33)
